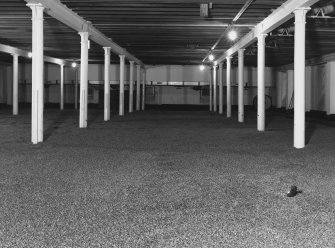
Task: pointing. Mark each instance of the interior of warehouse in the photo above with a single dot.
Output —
(167, 123)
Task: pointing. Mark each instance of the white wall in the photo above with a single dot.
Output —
(162, 94)
(330, 88)
(174, 95)
(6, 75)
(320, 87)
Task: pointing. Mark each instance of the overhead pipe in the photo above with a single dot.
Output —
(289, 30)
(325, 10)
(274, 20)
(229, 27)
(243, 9)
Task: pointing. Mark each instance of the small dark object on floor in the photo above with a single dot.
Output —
(293, 191)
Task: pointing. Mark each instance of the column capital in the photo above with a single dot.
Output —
(302, 9)
(261, 35)
(229, 58)
(107, 50)
(300, 14)
(83, 35)
(261, 39)
(15, 55)
(122, 57)
(37, 10)
(241, 51)
(131, 62)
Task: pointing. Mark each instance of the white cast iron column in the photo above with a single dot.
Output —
(228, 87)
(131, 86)
(143, 89)
(240, 85)
(83, 80)
(210, 91)
(299, 77)
(220, 90)
(121, 97)
(37, 96)
(261, 82)
(138, 87)
(61, 87)
(214, 89)
(15, 84)
(107, 112)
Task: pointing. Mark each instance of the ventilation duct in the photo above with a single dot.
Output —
(325, 10)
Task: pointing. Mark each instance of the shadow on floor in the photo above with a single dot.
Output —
(310, 129)
(55, 124)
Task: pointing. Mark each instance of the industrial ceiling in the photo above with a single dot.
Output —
(168, 31)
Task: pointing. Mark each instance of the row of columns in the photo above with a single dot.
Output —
(38, 87)
(37, 80)
(299, 82)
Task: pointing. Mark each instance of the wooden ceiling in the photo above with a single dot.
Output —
(163, 31)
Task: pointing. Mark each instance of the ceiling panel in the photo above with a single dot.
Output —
(163, 31)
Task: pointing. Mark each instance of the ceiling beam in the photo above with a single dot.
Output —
(278, 17)
(65, 15)
(171, 24)
(23, 53)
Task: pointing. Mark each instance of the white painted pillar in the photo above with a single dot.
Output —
(107, 110)
(15, 84)
(131, 86)
(61, 87)
(241, 85)
(210, 90)
(214, 89)
(143, 89)
(220, 90)
(83, 80)
(261, 82)
(121, 95)
(228, 87)
(138, 87)
(37, 101)
(299, 77)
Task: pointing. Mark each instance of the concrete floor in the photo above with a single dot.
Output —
(165, 179)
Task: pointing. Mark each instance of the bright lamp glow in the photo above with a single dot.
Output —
(232, 35)
(74, 64)
(202, 67)
(211, 57)
(30, 54)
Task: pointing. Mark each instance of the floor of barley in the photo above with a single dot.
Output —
(165, 178)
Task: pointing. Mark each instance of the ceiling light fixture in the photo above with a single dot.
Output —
(211, 57)
(202, 67)
(74, 64)
(30, 54)
(232, 35)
